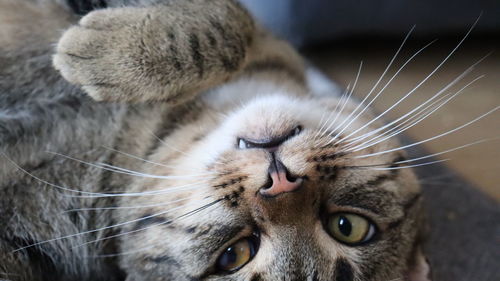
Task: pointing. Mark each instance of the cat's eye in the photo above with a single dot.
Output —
(242, 144)
(238, 254)
(272, 143)
(351, 229)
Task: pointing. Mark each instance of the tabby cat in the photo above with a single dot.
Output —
(177, 140)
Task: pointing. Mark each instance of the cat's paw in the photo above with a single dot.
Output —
(164, 53)
(106, 54)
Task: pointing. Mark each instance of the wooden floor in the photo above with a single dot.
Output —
(479, 163)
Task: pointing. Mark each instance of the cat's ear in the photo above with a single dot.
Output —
(419, 269)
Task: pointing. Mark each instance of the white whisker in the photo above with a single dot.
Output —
(136, 157)
(93, 230)
(346, 100)
(167, 190)
(429, 108)
(60, 187)
(345, 103)
(434, 154)
(372, 89)
(409, 166)
(321, 124)
(134, 207)
(173, 148)
(380, 92)
(126, 252)
(338, 113)
(425, 79)
(135, 231)
(449, 85)
(153, 225)
(344, 95)
(167, 145)
(448, 150)
(425, 115)
(431, 138)
(120, 170)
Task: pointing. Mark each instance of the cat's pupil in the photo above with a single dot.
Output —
(229, 257)
(345, 226)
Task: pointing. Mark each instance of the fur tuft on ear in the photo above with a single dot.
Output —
(419, 269)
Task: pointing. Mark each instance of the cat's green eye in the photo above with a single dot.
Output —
(350, 228)
(238, 254)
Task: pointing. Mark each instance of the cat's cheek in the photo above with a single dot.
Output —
(420, 270)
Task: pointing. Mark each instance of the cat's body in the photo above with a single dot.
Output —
(183, 82)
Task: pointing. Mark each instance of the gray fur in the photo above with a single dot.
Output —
(149, 62)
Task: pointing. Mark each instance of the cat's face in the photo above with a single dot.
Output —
(267, 193)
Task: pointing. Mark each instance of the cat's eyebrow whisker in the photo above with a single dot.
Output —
(431, 138)
(415, 119)
(419, 84)
(206, 206)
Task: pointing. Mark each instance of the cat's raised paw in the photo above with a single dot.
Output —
(155, 53)
(118, 55)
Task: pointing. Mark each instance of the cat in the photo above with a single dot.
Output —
(178, 140)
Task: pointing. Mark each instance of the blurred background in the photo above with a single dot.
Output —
(337, 35)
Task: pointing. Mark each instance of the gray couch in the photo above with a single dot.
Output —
(305, 22)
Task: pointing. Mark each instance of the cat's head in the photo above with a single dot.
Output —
(279, 189)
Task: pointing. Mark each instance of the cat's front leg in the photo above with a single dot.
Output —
(166, 52)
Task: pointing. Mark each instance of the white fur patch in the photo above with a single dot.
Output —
(320, 84)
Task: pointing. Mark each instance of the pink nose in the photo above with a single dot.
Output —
(282, 182)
